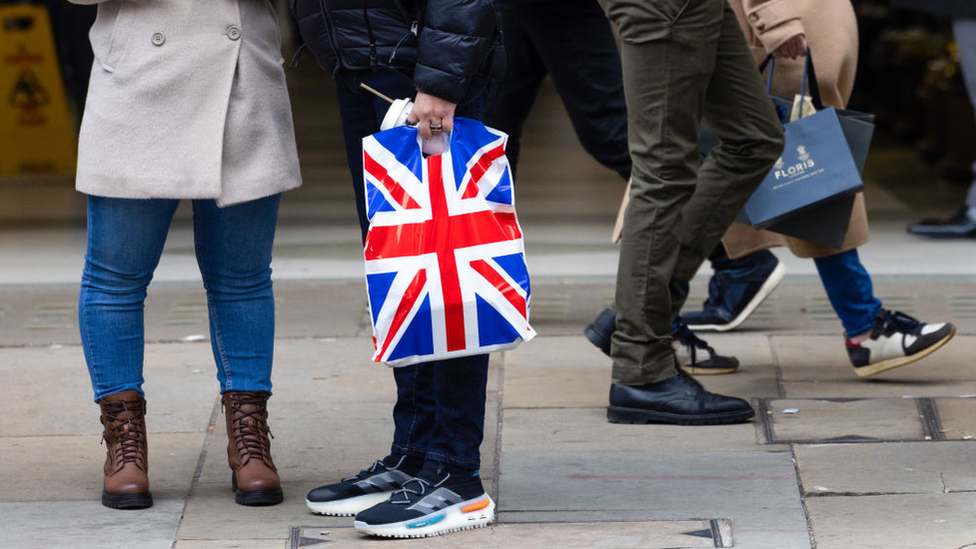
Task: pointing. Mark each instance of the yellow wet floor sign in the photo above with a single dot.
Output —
(36, 134)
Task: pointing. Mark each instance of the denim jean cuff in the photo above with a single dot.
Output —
(408, 450)
(454, 460)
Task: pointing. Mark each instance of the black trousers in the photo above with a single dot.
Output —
(571, 41)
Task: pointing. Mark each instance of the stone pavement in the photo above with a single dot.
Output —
(832, 461)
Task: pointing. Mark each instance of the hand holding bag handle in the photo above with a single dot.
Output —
(809, 75)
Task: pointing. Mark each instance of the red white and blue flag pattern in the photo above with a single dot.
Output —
(445, 264)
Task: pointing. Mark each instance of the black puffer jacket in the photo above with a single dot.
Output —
(442, 44)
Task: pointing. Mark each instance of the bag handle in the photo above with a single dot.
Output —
(809, 75)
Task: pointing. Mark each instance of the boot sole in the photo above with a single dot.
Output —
(127, 501)
(890, 364)
(256, 498)
(619, 414)
(767, 288)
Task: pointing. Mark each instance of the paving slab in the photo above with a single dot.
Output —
(888, 468)
(894, 521)
(48, 391)
(824, 358)
(564, 371)
(53, 468)
(338, 370)
(878, 388)
(815, 419)
(958, 417)
(232, 544)
(318, 444)
(686, 534)
(211, 514)
(569, 430)
(756, 490)
(88, 525)
(47, 314)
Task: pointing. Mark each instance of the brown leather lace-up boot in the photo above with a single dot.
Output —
(126, 463)
(255, 478)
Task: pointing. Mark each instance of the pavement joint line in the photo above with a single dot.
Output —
(802, 494)
(499, 425)
(201, 461)
(928, 412)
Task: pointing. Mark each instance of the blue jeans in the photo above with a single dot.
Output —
(440, 410)
(850, 291)
(233, 249)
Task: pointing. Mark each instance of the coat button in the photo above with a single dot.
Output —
(158, 39)
(754, 17)
(234, 32)
(761, 27)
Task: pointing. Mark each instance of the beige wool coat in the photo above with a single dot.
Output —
(831, 32)
(187, 100)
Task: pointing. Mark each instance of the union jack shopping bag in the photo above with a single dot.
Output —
(445, 265)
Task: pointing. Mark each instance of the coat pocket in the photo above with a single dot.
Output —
(118, 37)
(641, 21)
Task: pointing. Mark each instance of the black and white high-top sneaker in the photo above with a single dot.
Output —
(896, 340)
(439, 500)
(366, 489)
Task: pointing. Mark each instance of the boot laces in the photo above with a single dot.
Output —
(251, 429)
(125, 420)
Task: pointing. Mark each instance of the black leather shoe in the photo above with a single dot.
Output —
(960, 225)
(679, 399)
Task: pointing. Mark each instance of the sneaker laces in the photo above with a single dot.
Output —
(367, 472)
(902, 322)
(681, 332)
(406, 490)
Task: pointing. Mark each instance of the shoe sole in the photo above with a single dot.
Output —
(127, 501)
(450, 519)
(256, 498)
(347, 507)
(705, 371)
(891, 363)
(767, 288)
(619, 414)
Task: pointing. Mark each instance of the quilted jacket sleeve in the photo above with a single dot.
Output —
(453, 43)
(773, 21)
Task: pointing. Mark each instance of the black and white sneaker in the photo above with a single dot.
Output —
(696, 356)
(366, 489)
(439, 500)
(896, 340)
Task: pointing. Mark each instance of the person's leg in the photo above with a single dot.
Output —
(512, 97)
(738, 111)
(576, 43)
(850, 291)
(962, 224)
(447, 493)
(876, 339)
(125, 242)
(459, 389)
(414, 414)
(233, 249)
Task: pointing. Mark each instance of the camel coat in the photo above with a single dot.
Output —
(187, 100)
(831, 32)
